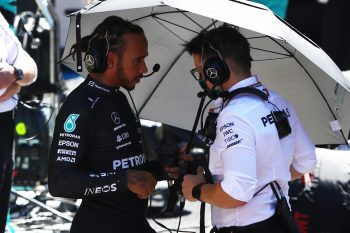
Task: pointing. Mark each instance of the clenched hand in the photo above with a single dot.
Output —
(142, 183)
(6, 75)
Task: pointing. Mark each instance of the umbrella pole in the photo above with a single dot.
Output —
(190, 141)
(208, 176)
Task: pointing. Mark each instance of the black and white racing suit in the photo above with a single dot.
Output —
(96, 138)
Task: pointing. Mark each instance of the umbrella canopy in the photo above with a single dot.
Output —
(284, 59)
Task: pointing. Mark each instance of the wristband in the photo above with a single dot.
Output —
(196, 191)
(18, 74)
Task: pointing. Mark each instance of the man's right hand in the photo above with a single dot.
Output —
(142, 183)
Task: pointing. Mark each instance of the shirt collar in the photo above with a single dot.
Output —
(251, 81)
(93, 83)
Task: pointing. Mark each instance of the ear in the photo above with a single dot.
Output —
(112, 60)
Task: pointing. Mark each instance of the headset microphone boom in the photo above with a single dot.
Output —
(155, 69)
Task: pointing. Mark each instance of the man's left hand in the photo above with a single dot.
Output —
(189, 181)
(13, 89)
(7, 76)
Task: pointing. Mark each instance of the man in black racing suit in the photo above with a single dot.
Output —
(96, 152)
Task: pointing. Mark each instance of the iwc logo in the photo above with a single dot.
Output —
(211, 73)
(69, 124)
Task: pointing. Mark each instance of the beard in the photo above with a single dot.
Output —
(124, 81)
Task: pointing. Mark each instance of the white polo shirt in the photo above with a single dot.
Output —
(12, 53)
(247, 154)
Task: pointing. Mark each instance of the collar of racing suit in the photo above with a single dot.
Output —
(103, 88)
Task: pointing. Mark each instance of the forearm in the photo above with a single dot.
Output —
(72, 183)
(294, 174)
(13, 89)
(215, 195)
(8, 75)
(30, 72)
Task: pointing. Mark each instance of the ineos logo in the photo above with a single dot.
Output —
(212, 73)
(89, 60)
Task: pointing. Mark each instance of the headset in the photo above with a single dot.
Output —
(96, 55)
(215, 69)
(211, 93)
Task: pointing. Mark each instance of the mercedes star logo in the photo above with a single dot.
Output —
(89, 60)
(212, 73)
(115, 118)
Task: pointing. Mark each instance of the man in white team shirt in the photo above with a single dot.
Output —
(17, 69)
(248, 153)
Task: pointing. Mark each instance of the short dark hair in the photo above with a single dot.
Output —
(195, 45)
(114, 28)
(230, 44)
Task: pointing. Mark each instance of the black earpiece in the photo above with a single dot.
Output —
(211, 93)
(216, 70)
(96, 55)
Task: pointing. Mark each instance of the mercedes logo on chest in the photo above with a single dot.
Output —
(115, 118)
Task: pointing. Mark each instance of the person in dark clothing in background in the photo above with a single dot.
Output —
(96, 152)
(326, 22)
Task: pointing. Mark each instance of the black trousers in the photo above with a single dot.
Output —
(6, 163)
(97, 217)
(270, 225)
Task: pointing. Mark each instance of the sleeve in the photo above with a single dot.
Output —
(236, 138)
(15, 54)
(68, 176)
(25, 60)
(304, 159)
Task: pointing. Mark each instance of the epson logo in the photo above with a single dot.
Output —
(68, 143)
(104, 189)
(227, 125)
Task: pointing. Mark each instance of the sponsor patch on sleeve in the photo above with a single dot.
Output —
(234, 143)
(66, 152)
(230, 136)
(69, 125)
(65, 159)
(66, 143)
